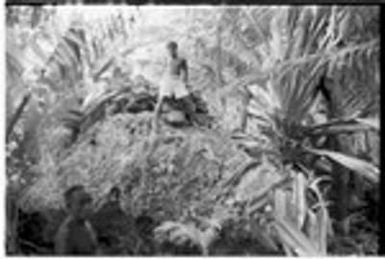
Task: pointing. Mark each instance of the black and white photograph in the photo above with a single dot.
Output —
(192, 130)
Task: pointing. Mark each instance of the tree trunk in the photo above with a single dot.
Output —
(12, 223)
(219, 56)
(17, 115)
(341, 175)
(341, 192)
(219, 66)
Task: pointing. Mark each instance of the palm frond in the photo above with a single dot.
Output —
(341, 53)
(348, 125)
(365, 169)
(373, 122)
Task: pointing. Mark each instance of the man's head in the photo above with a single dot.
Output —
(144, 224)
(78, 202)
(114, 194)
(172, 48)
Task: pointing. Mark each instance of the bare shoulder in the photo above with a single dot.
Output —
(91, 231)
(60, 239)
(89, 227)
(63, 229)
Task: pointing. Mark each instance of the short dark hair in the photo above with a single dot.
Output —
(115, 191)
(70, 191)
(69, 194)
(172, 45)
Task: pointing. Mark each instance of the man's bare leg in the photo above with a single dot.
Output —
(158, 109)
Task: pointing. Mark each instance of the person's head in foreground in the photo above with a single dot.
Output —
(78, 202)
(114, 195)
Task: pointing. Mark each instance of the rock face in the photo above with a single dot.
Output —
(161, 177)
(121, 152)
(178, 170)
(182, 168)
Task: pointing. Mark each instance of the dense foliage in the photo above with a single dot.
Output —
(286, 163)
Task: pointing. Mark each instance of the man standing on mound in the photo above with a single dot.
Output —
(174, 84)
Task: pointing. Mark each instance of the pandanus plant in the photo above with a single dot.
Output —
(318, 46)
